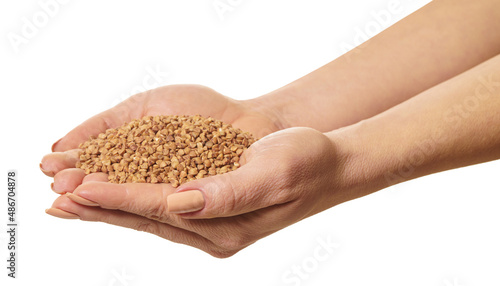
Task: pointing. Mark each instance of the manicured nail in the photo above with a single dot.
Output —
(54, 145)
(185, 202)
(61, 214)
(47, 173)
(52, 186)
(82, 201)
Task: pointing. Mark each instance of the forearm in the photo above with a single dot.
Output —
(439, 41)
(454, 124)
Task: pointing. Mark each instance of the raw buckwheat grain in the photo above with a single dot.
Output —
(165, 149)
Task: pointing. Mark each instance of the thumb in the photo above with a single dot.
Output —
(244, 190)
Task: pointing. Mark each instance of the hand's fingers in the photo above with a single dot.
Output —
(61, 214)
(128, 220)
(148, 200)
(224, 237)
(124, 219)
(67, 180)
(249, 188)
(55, 162)
(96, 177)
(111, 118)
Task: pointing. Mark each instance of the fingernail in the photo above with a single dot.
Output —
(47, 173)
(61, 192)
(80, 200)
(185, 202)
(54, 145)
(61, 214)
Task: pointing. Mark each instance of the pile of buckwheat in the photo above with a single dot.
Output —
(165, 149)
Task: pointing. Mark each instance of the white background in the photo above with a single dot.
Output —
(438, 230)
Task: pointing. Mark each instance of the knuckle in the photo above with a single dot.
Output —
(156, 212)
(146, 226)
(221, 253)
(227, 204)
(154, 208)
(232, 243)
(221, 195)
(91, 216)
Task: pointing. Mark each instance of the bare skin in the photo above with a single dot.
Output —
(436, 43)
(411, 118)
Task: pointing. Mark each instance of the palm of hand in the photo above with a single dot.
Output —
(173, 100)
(193, 99)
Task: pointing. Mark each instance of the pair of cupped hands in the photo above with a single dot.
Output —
(286, 176)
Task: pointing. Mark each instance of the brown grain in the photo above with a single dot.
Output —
(165, 149)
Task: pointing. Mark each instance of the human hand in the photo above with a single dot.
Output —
(285, 177)
(168, 100)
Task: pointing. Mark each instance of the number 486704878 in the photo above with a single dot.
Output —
(11, 201)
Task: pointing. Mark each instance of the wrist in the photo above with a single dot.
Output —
(271, 107)
(365, 161)
(286, 105)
